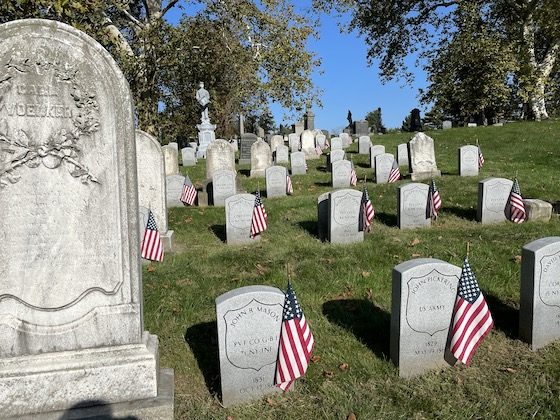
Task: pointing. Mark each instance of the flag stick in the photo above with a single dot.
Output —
(468, 249)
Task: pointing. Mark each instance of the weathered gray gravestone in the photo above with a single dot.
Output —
(321, 140)
(446, 125)
(468, 160)
(276, 181)
(364, 143)
(346, 140)
(340, 175)
(361, 128)
(336, 143)
(412, 201)
(323, 216)
(188, 156)
(373, 152)
(219, 156)
(276, 141)
(282, 154)
(493, 195)
(174, 189)
(249, 322)
(422, 158)
(423, 297)
(308, 145)
(298, 165)
(170, 160)
(383, 166)
(261, 159)
(536, 209)
(402, 154)
(151, 184)
(344, 216)
(245, 145)
(293, 142)
(71, 324)
(239, 212)
(223, 186)
(335, 156)
(539, 303)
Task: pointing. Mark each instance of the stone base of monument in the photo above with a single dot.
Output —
(160, 407)
(167, 240)
(206, 136)
(537, 209)
(418, 176)
(118, 376)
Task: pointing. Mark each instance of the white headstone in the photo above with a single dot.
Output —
(493, 195)
(373, 152)
(298, 165)
(402, 154)
(383, 166)
(308, 144)
(468, 160)
(276, 141)
(340, 175)
(294, 143)
(282, 154)
(261, 158)
(336, 143)
(219, 157)
(174, 189)
(346, 140)
(188, 155)
(412, 202)
(276, 179)
(344, 216)
(364, 143)
(170, 160)
(223, 186)
(239, 212)
(422, 157)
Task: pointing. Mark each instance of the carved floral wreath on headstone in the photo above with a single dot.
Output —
(61, 147)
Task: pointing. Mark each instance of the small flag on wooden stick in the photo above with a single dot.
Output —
(515, 208)
(434, 201)
(151, 247)
(188, 195)
(395, 173)
(259, 220)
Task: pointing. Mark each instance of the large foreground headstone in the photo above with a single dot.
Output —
(249, 322)
(493, 195)
(151, 183)
(71, 324)
(468, 160)
(422, 157)
(539, 303)
(423, 297)
(219, 157)
(239, 212)
(344, 216)
(412, 202)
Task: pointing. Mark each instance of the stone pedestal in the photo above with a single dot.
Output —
(206, 135)
(537, 209)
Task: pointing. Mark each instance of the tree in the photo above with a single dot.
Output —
(374, 121)
(395, 29)
(272, 35)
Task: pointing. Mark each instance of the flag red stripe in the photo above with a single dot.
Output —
(294, 347)
(470, 348)
(464, 323)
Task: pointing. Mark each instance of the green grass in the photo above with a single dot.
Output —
(345, 292)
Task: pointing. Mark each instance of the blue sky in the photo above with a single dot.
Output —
(346, 80)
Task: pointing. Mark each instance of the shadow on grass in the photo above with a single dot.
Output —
(463, 213)
(388, 219)
(322, 169)
(219, 231)
(323, 184)
(245, 172)
(310, 227)
(506, 317)
(364, 165)
(369, 323)
(203, 341)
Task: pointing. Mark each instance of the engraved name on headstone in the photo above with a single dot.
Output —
(223, 186)
(245, 144)
(219, 156)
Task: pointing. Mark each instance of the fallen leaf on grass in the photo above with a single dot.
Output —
(351, 416)
(151, 268)
(509, 370)
(201, 212)
(369, 294)
(328, 373)
(415, 255)
(230, 418)
(415, 242)
(365, 273)
(517, 259)
(188, 220)
(343, 367)
(316, 358)
(270, 402)
(260, 269)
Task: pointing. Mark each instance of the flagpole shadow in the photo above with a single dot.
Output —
(203, 341)
(310, 227)
(369, 323)
(220, 232)
(505, 316)
(387, 219)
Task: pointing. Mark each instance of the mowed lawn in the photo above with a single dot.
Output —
(345, 291)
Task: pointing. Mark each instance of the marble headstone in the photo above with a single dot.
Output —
(276, 181)
(336, 143)
(321, 140)
(298, 165)
(493, 195)
(282, 154)
(422, 164)
(373, 152)
(245, 145)
(239, 212)
(308, 145)
(340, 175)
(346, 140)
(293, 142)
(175, 145)
(344, 216)
(468, 160)
(249, 322)
(71, 323)
(261, 158)
(423, 297)
(151, 184)
(170, 160)
(383, 166)
(539, 302)
(446, 125)
(412, 202)
(276, 141)
(223, 186)
(334, 156)
(188, 155)
(364, 143)
(402, 154)
(323, 216)
(219, 157)
(174, 188)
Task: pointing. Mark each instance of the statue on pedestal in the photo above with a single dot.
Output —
(203, 98)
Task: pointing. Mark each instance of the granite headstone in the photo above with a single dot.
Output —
(239, 212)
(412, 202)
(345, 207)
(276, 181)
(493, 195)
(468, 160)
(340, 174)
(245, 145)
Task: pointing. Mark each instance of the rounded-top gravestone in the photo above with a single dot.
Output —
(261, 158)
(219, 157)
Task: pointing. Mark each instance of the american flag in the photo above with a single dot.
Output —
(151, 247)
(188, 196)
(353, 176)
(434, 201)
(515, 207)
(259, 220)
(289, 186)
(368, 211)
(480, 157)
(318, 150)
(296, 343)
(472, 320)
(395, 173)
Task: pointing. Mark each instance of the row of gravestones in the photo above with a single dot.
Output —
(71, 330)
(424, 291)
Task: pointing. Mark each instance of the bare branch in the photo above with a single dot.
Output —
(169, 6)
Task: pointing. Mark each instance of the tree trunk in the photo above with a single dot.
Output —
(538, 104)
